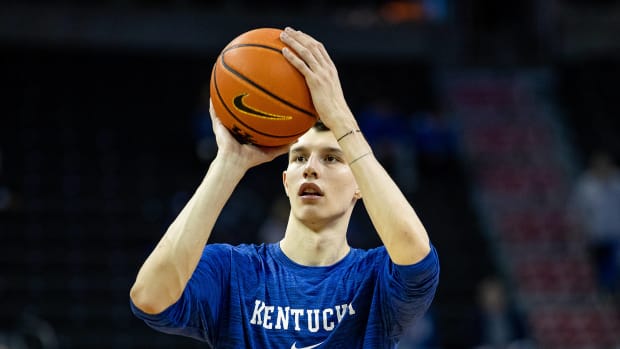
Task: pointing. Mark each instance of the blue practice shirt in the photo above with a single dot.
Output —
(254, 296)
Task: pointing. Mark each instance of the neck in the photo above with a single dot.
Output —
(314, 247)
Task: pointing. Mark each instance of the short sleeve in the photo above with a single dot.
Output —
(196, 313)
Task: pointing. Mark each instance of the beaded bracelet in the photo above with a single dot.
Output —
(348, 133)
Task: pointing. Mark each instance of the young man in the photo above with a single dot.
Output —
(311, 289)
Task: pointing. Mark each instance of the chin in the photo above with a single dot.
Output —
(309, 217)
(313, 216)
(310, 214)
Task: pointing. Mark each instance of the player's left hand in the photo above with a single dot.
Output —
(312, 60)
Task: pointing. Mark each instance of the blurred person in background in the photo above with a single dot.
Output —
(312, 288)
(497, 322)
(422, 335)
(594, 213)
(29, 332)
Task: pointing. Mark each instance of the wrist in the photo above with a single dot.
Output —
(354, 145)
(234, 165)
(360, 157)
(341, 122)
(352, 131)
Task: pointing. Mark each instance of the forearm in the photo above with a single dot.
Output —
(165, 273)
(395, 220)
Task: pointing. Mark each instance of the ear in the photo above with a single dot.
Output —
(285, 183)
(358, 194)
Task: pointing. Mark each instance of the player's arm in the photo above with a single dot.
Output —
(165, 273)
(398, 225)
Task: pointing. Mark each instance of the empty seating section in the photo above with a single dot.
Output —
(523, 175)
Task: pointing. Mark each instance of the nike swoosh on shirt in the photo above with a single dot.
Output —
(308, 347)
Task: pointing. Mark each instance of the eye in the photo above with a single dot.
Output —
(299, 158)
(331, 158)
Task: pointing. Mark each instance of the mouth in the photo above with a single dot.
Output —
(310, 190)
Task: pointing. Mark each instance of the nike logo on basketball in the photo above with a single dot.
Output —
(246, 109)
(308, 347)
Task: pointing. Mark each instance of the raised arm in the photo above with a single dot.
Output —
(396, 222)
(165, 273)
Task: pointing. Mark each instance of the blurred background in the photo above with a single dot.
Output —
(499, 120)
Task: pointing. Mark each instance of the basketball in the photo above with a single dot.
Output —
(257, 94)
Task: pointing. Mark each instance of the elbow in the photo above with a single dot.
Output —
(408, 248)
(156, 287)
(145, 301)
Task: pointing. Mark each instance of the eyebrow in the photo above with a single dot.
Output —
(302, 149)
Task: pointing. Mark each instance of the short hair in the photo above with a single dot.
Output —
(320, 126)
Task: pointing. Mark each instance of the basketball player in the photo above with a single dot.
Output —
(310, 290)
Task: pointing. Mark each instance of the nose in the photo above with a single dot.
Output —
(311, 167)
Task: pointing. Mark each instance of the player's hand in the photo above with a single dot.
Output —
(313, 61)
(246, 155)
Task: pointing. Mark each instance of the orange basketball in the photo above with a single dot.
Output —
(257, 94)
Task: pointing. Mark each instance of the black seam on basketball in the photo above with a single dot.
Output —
(241, 76)
(275, 49)
(217, 91)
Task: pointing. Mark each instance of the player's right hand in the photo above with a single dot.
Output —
(246, 155)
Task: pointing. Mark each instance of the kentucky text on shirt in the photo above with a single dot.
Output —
(316, 319)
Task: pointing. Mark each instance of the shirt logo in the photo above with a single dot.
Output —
(275, 317)
(246, 109)
(308, 347)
